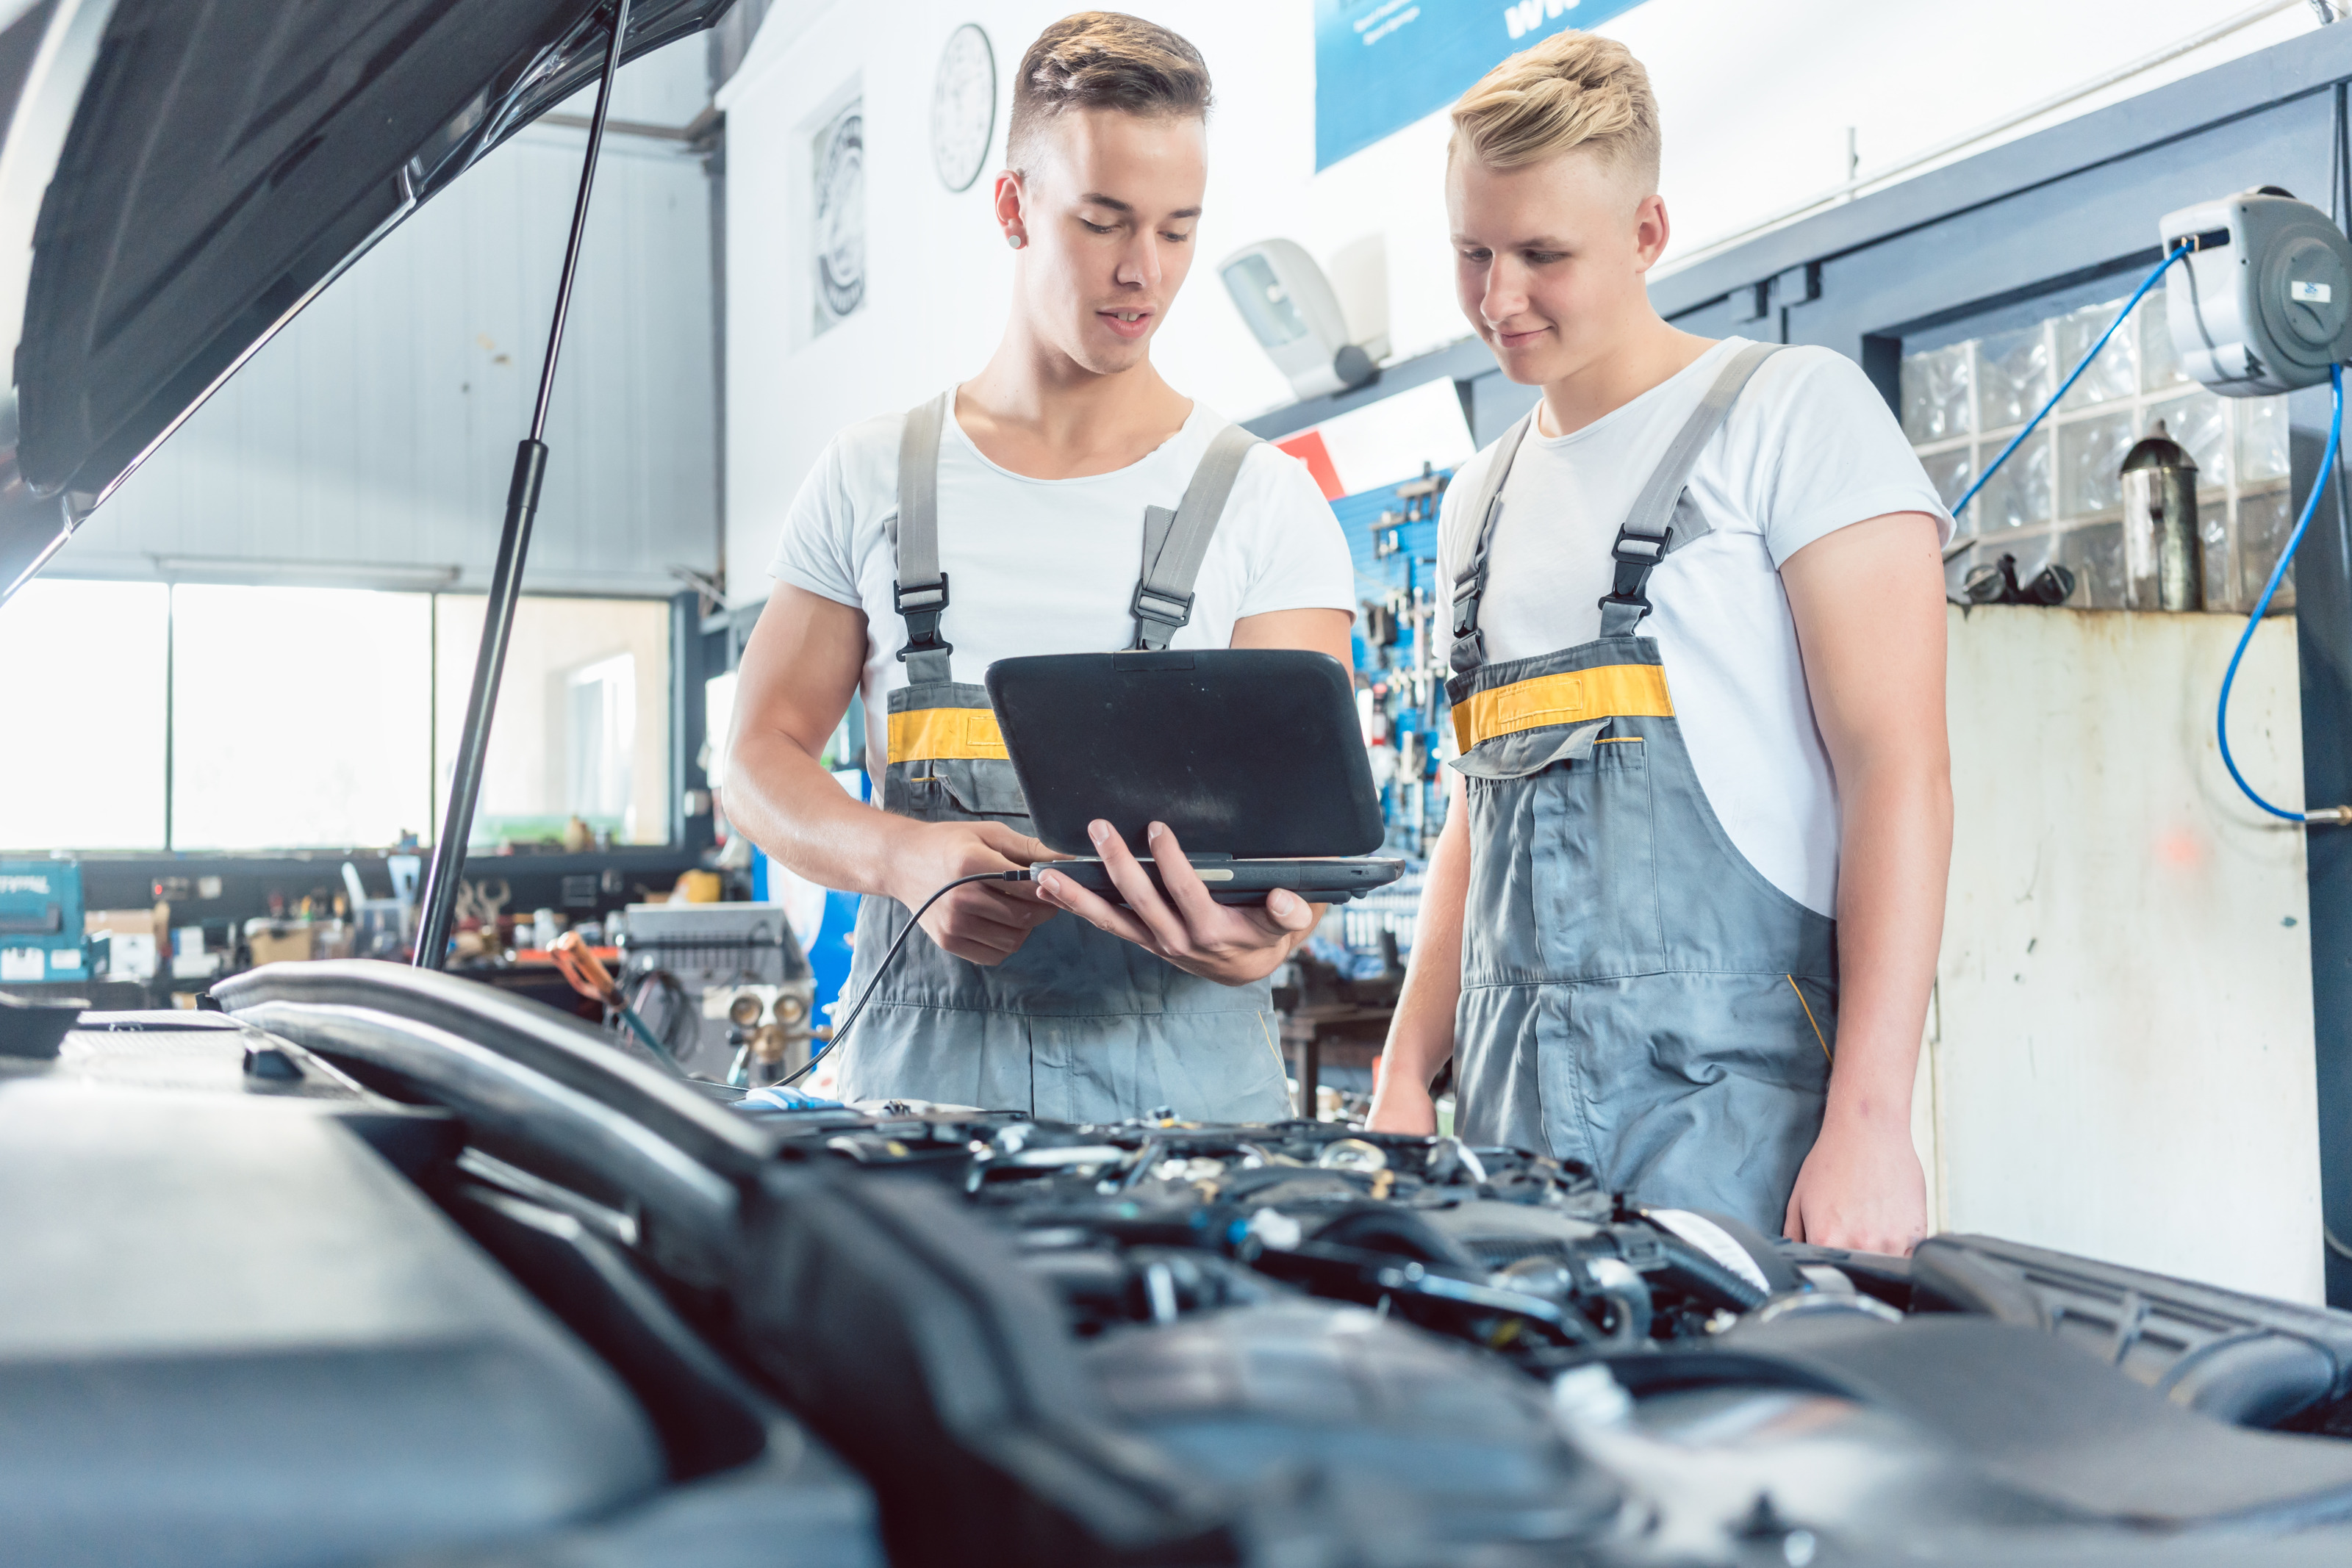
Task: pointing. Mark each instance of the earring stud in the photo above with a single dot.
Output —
(1015, 241)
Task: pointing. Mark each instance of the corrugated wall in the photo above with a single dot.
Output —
(379, 426)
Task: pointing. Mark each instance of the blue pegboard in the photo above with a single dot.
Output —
(1391, 535)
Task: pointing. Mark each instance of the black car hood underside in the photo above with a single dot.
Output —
(225, 159)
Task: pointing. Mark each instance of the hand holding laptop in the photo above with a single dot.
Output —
(1254, 753)
(1231, 944)
(987, 922)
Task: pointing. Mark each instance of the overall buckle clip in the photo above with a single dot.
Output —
(920, 605)
(1171, 610)
(1636, 555)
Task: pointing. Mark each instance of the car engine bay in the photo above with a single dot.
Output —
(1428, 1319)
(374, 1237)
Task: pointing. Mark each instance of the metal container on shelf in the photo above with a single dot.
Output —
(736, 967)
(2163, 559)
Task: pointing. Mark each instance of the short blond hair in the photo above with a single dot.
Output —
(1572, 91)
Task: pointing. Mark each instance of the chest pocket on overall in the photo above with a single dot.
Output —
(1567, 796)
(1574, 762)
(947, 759)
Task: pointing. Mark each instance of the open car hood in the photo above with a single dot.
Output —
(178, 177)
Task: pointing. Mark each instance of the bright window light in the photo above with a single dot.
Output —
(583, 725)
(301, 717)
(82, 666)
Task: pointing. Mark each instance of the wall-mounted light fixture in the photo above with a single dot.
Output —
(265, 572)
(1295, 317)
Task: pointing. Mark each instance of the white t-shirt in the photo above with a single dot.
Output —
(1049, 566)
(1809, 448)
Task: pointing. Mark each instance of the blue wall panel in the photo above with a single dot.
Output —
(1380, 65)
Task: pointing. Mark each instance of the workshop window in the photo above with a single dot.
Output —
(227, 718)
(301, 717)
(582, 730)
(84, 668)
(2060, 496)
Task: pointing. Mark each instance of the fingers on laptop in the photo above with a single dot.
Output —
(1176, 922)
(1213, 928)
(1184, 883)
(1092, 907)
(1288, 913)
(1099, 912)
(1018, 849)
(1184, 925)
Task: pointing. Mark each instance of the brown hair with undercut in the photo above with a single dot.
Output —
(1103, 60)
(1572, 91)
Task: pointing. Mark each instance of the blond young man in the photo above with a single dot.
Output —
(1683, 919)
(1016, 513)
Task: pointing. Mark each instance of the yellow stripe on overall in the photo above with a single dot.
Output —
(945, 734)
(1612, 691)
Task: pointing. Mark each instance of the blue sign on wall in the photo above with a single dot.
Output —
(1380, 65)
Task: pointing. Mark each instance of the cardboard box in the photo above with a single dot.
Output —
(121, 922)
(135, 951)
(292, 943)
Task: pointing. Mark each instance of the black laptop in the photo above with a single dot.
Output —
(1253, 756)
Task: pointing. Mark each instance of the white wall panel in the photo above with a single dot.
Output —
(379, 426)
(2122, 1038)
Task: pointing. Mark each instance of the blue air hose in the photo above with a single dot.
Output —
(2121, 316)
(2278, 575)
(2278, 572)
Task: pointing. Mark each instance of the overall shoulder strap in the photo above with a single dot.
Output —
(1648, 533)
(1175, 543)
(919, 591)
(1469, 650)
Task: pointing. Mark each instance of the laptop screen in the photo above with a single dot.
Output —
(1252, 753)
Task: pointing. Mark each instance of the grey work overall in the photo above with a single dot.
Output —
(1078, 1025)
(1635, 994)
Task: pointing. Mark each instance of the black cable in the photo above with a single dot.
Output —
(840, 1030)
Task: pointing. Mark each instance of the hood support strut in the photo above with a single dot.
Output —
(506, 576)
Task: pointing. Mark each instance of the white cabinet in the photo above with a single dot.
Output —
(2120, 1056)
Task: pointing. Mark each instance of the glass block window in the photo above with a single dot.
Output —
(2060, 496)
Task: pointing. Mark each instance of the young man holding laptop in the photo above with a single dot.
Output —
(1065, 499)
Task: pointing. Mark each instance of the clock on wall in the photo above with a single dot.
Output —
(963, 107)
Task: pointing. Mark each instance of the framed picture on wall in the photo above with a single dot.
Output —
(837, 227)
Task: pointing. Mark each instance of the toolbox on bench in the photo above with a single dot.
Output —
(41, 921)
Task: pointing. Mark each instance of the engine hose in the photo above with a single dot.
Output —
(1628, 1295)
(2278, 575)
(1695, 1273)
